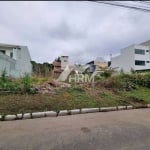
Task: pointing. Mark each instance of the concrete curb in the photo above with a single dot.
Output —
(38, 115)
(148, 105)
(106, 109)
(63, 113)
(66, 112)
(19, 116)
(130, 107)
(74, 111)
(10, 117)
(50, 114)
(89, 110)
(27, 116)
(121, 107)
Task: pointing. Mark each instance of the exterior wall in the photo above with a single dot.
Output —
(7, 63)
(19, 64)
(100, 65)
(145, 58)
(23, 62)
(64, 62)
(125, 60)
(127, 57)
(56, 69)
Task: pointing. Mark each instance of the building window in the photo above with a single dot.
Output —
(11, 55)
(140, 51)
(3, 51)
(147, 51)
(147, 61)
(139, 62)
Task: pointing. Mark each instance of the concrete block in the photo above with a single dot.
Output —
(74, 111)
(122, 107)
(51, 114)
(148, 105)
(19, 116)
(130, 107)
(27, 116)
(63, 113)
(89, 110)
(105, 109)
(10, 117)
(38, 114)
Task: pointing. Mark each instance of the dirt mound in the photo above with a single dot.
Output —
(50, 86)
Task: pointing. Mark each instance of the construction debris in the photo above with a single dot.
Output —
(50, 86)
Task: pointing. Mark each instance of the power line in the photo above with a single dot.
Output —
(123, 5)
(145, 9)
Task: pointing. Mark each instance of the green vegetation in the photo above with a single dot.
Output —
(69, 98)
(22, 85)
(140, 93)
(41, 70)
(123, 89)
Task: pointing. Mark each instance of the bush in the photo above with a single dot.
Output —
(106, 73)
(26, 85)
(109, 83)
(16, 86)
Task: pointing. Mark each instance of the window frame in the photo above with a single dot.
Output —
(138, 64)
(139, 51)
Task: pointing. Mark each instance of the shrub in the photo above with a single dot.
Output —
(22, 85)
(4, 77)
(26, 85)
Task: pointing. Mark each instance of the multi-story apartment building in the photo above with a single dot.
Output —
(15, 60)
(136, 57)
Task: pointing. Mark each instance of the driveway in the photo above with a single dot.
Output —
(118, 130)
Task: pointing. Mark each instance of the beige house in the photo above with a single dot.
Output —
(100, 64)
(59, 65)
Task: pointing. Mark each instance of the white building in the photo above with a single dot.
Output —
(64, 62)
(15, 60)
(136, 57)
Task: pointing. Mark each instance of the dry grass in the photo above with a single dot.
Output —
(69, 98)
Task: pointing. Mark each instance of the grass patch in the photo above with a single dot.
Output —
(109, 98)
(140, 93)
(67, 98)
(72, 98)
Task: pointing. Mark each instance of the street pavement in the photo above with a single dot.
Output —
(117, 130)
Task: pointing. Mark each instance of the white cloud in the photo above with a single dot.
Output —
(83, 30)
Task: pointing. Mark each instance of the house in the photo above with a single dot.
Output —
(90, 67)
(100, 63)
(15, 59)
(136, 57)
(59, 65)
(97, 65)
(64, 62)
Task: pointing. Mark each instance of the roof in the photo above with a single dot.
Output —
(57, 64)
(9, 45)
(146, 43)
(91, 62)
(64, 56)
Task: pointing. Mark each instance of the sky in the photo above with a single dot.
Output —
(82, 30)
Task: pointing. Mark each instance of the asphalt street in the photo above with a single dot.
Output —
(118, 130)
